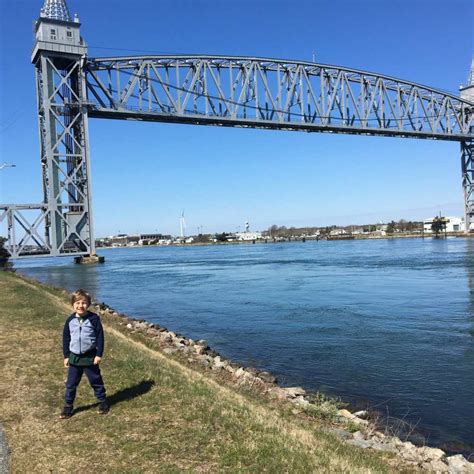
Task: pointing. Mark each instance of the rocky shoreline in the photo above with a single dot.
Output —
(4, 453)
(355, 428)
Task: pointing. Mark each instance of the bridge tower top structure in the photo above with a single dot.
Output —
(467, 91)
(56, 32)
(55, 10)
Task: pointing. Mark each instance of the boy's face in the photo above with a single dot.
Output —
(80, 306)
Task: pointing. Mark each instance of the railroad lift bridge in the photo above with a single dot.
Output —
(201, 90)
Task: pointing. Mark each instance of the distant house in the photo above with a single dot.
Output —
(453, 224)
(120, 240)
(153, 236)
(248, 235)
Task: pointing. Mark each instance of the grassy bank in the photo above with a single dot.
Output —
(165, 416)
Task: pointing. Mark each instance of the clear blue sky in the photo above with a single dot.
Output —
(145, 174)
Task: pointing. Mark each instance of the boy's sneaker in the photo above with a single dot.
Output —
(103, 408)
(67, 412)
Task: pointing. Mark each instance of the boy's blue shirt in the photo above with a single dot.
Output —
(83, 335)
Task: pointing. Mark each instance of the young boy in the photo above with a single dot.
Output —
(83, 346)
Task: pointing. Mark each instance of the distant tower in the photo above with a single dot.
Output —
(182, 225)
(58, 54)
(467, 156)
(247, 226)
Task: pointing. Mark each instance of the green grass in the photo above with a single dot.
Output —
(165, 417)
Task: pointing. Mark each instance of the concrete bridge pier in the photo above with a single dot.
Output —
(89, 259)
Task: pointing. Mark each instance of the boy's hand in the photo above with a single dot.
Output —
(66, 363)
(97, 360)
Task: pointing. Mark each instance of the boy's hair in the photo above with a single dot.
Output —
(81, 295)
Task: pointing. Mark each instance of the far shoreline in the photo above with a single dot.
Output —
(283, 240)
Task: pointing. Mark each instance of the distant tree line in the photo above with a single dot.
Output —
(392, 227)
(202, 238)
(222, 237)
(403, 226)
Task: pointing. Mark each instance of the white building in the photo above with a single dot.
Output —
(248, 235)
(337, 232)
(453, 224)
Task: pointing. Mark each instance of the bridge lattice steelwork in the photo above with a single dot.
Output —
(272, 93)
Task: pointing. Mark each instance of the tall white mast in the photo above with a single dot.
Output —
(182, 224)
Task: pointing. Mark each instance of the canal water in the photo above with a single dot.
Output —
(385, 324)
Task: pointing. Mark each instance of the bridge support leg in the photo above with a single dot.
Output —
(467, 165)
(88, 259)
(59, 55)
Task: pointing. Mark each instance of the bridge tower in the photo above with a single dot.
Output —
(467, 157)
(58, 56)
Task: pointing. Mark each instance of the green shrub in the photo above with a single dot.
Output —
(5, 263)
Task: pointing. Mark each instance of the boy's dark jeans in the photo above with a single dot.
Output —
(74, 376)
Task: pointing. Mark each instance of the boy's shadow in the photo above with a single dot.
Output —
(122, 395)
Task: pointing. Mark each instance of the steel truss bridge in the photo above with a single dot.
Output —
(271, 94)
(202, 90)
